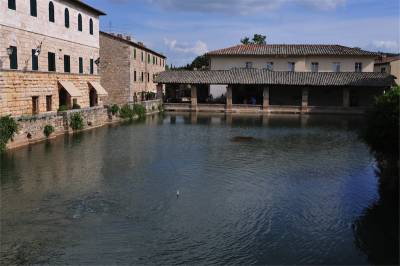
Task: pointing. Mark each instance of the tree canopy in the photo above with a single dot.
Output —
(257, 39)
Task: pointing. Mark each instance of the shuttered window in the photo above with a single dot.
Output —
(51, 61)
(33, 8)
(67, 64)
(11, 4)
(51, 12)
(79, 22)
(91, 27)
(91, 66)
(35, 60)
(13, 58)
(66, 18)
(134, 76)
(80, 65)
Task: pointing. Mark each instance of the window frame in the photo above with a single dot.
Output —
(358, 67)
(33, 8)
(35, 61)
(35, 105)
(12, 5)
(49, 103)
(13, 57)
(66, 18)
(51, 62)
(51, 12)
(80, 62)
(336, 67)
(91, 26)
(314, 67)
(134, 76)
(291, 66)
(80, 28)
(91, 66)
(67, 63)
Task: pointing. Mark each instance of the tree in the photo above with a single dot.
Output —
(257, 39)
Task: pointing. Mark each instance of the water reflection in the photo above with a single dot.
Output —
(295, 194)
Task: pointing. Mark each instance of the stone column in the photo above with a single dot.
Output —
(346, 97)
(193, 98)
(266, 98)
(229, 98)
(159, 91)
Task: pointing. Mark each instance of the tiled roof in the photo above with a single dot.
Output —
(388, 59)
(264, 76)
(290, 50)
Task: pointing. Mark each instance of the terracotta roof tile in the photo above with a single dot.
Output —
(263, 76)
(290, 50)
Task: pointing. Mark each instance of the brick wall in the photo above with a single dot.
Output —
(18, 88)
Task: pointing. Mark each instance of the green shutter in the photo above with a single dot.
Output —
(35, 63)
(14, 58)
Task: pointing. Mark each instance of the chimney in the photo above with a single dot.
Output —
(128, 38)
(141, 44)
(119, 35)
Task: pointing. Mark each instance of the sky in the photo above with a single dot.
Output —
(184, 29)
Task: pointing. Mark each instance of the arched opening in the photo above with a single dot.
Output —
(51, 12)
(66, 18)
(79, 22)
(64, 98)
(91, 27)
(93, 98)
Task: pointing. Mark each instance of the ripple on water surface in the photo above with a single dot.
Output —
(252, 191)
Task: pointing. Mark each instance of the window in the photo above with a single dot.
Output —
(383, 69)
(142, 79)
(314, 66)
(142, 56)
(91, 27)
(270, 66)
(35, 105)
(148, 58)
(51, 61)
(134, 53)
(49, 103)
(336, 67)
(91, 66)
(67, 64)
(79, 22)
(291, 66)
(33, 8)
(148, 77)
(66, 18)
(249, 65)
(12, 4)
(134, 76)
(358, 67)
(35, 63)
(13, 58)
(80, 65)
(154, 59)
(51, 12)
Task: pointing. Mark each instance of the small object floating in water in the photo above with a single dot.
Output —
(177, 194)
(242, 139)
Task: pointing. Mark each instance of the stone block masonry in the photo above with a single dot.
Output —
(18, 87)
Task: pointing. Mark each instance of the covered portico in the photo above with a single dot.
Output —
(261, 90)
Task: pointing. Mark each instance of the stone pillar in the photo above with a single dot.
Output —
(159, 91)
(346, 97)
(229, 98)
(304, 98)
(193, 98)
(266, 98)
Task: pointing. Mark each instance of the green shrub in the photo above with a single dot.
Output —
(76, 121)
(382, 127)
(48, 130)
(62, 108)
(76, 106)
(8, 127)
(126, 112)
(114, 109)
(139, 110)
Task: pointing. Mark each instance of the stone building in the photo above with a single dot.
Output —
(388, 64)
(285, 79)
(127, 68)
(49, 53)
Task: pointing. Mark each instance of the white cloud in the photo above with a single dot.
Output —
(199, 48)
(386, 46)
(243, 7)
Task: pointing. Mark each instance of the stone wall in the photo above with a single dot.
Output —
(30, 128)
(18, 88)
